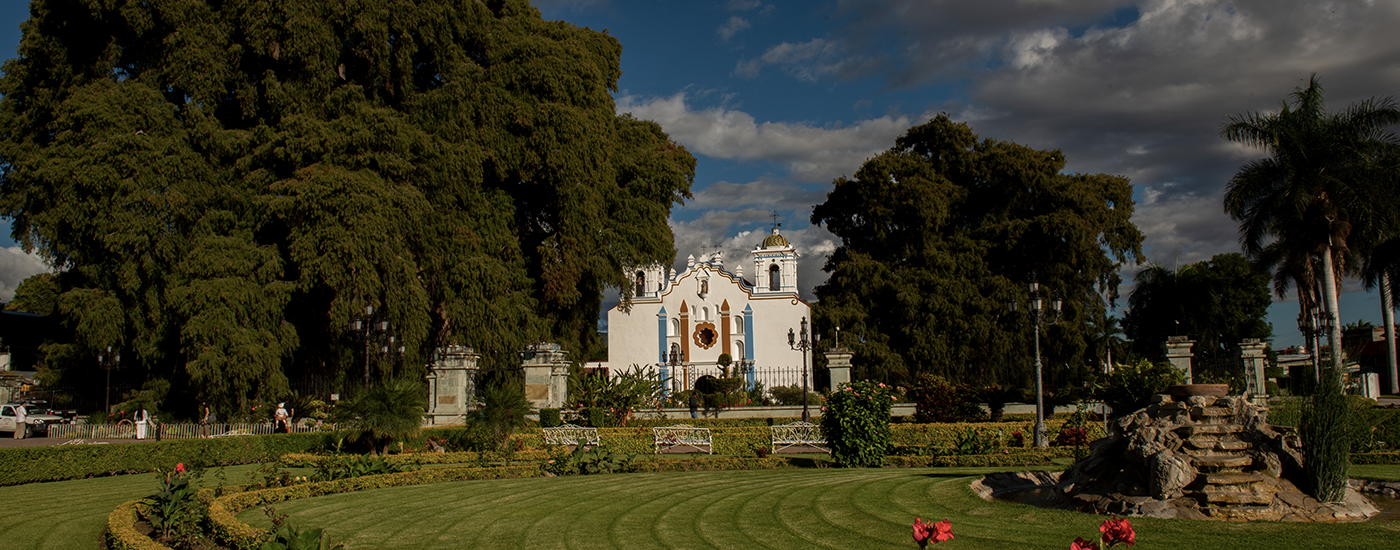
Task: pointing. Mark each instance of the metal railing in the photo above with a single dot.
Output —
(126, 430)
(681, 377)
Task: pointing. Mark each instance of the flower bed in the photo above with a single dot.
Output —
(1016, 458)
(121, 533)
(310, 460)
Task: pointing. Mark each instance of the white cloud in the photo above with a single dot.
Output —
(811, 153)
(708, 234)
(15, 266)
(732, 27)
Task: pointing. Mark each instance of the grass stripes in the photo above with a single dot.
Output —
(777, 509)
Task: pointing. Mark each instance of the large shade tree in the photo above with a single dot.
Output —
(1320, 183)
(940, 231)
(222, 186)
(1217, 303)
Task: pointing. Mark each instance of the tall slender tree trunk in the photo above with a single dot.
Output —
(1388, 317)
(1329, 304)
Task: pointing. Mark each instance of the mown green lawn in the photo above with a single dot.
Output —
(801, 508)
(70, 515)
(1382, 472)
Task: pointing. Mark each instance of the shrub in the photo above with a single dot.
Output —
(341, 467)
(791, 396)
(937, 400)
(549, 418)
(174, 512)
(583, 461)
(857, 423)
(620, 395)
(1323, 429)
(392, 411)
(504, 406)
(1130, 386)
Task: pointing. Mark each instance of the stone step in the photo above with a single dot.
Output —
(1220, 463)
(1215, 429)
(1211, 411)
(1235, 479)
(1215, 443)
(1237, 498)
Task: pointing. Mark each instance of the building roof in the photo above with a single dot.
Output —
(775, 240)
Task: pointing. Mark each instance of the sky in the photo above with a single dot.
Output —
(777, 99)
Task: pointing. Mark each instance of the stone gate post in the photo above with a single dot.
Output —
(1252, 352)
(838, 363)
(451, 384)
(546, 375)
(1178, 350)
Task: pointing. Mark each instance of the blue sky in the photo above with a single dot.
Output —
(776, 99)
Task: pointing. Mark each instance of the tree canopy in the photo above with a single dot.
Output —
(1217, 303)
(940, 231)
(222, 186)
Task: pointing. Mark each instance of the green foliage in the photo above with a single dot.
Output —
(549, 418)
(1217, 302)
(938, 400)
(971, 441)
(1129, 386)
(289, 537)
(174, 512)
(37, 294)
(791, 396)
(347, 466)
(996, 396)
(389, 412)
(504, 406)
(53, 463)
(938, 232)
(1323, 427)
(857, 423)
(620, 394)
(266, 171)
(584, 461)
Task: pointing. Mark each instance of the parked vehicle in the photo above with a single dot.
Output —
(34, 424)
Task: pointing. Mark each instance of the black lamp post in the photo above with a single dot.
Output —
(674, 360)
(1039, 315)
(109, 361)
(367, 326)
(803, 344)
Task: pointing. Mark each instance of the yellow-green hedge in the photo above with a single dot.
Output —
(308, 460)
(53, 463)
(121, 533)
(1382, 457)
(944, 435)
(228, 530)
(709, 464)
(1016, 458)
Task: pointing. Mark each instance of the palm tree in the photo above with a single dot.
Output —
(1318, 182)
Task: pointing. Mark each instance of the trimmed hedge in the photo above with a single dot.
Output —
(228, 530)
(54, 463)
(121, 533)
(944, 435)
(308, 460)
(1381, 457)
(710, 463)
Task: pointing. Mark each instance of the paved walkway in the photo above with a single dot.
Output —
(10, 442)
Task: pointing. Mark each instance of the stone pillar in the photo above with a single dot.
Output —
(546, 375)
(452, 385)
(1178, 350)
(1252, 352)
(838, 363)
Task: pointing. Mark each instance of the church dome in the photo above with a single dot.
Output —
(775, 240)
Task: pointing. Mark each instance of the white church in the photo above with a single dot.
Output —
(680, 323)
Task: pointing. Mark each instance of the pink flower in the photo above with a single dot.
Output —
(180, 468)
(925, 533)
(1117, 530)
(1081, 544)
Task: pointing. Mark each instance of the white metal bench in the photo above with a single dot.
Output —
(571, 435)
(798, 437)
(675, 439)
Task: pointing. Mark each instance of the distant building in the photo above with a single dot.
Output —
(707, 310)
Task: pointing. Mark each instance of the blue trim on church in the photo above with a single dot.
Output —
(748, 342)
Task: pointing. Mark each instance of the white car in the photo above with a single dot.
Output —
(34, 424)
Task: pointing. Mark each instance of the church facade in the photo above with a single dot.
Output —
(679, 323)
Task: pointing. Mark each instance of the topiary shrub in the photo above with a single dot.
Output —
(857, 423)
(549, 418)
(1130, 386)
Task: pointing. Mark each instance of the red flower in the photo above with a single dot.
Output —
(1081, 544)
(180, 468)
(1117, 530)
(943, 531)
(921, 533)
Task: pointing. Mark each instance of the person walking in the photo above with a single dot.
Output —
(205, 419)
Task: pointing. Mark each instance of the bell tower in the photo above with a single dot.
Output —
(774, 266)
